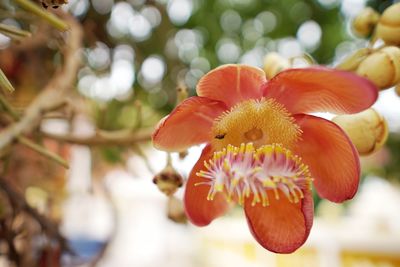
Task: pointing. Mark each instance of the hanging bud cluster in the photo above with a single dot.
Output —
(388, 28)
(365, 22)
(385, 26)
(368, 130)
(382, 67)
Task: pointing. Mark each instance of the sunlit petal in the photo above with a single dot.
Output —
(331, 157)
(232, 83)
(189, 124)
(321, 90)
(282, 226)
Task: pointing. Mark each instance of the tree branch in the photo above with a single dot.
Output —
(109, 139)
(55, 91)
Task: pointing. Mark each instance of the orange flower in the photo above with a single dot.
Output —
(253, 130)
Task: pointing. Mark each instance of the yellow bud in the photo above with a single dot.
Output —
(388, 28)
(382, 67)
(274, 63)
(168, 180)
(365, 22)
(368, 130)
(351, 62)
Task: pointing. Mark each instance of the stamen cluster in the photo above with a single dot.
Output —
(241, 172)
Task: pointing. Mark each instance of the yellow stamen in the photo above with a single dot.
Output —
(262, 121)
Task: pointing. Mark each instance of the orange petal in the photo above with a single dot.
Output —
(321, 90)
(188, 124)
(282, 226)
(331, 157)
(232, 83)
(199, 210)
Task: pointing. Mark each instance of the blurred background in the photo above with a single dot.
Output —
(140, 58)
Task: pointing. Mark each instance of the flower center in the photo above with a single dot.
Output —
(241, 172)
(258, 121)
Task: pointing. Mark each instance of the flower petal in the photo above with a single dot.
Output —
(232, 83)
(199, 210)
(321, 90)
(188, 124)
(331, 157)
(282, 226)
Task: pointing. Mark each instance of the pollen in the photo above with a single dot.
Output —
(245, 172)
(259, 121)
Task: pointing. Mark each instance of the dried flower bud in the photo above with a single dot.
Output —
(53, 3)
(388, 28)
(176, 211)
(368, 130)
(382, 67)
(183, 154)
(274, 63)
(365, 22)
(168, 180)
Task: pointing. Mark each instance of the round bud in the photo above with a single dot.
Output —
(382, 67)
(168, 180)
(365, 22)
(274, 63)
(368, 130)
(388, 28)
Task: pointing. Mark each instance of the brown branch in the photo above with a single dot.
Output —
(18, 200)
(55, 91)
(109, 139)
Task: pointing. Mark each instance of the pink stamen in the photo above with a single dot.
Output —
(239, 172)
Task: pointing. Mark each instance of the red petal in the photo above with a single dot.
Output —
(188, 124)
(331, 157)
(321, 90)
(232, 83)
(199, 210)
(282, 226)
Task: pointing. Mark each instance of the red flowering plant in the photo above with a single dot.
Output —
(263, 149)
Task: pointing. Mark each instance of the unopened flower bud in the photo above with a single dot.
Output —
(382, 67)
(351, 62)
(176, 211)
(388, 28)
(368, 130)
(274, 63)
(168, 180)
(365, 22)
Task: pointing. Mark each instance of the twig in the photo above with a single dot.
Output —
(55, 91)
(13, 32)
(44, 14)
(43, 151)
(18, 200)
(8, 108)
(104, 140)
(4, 82)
